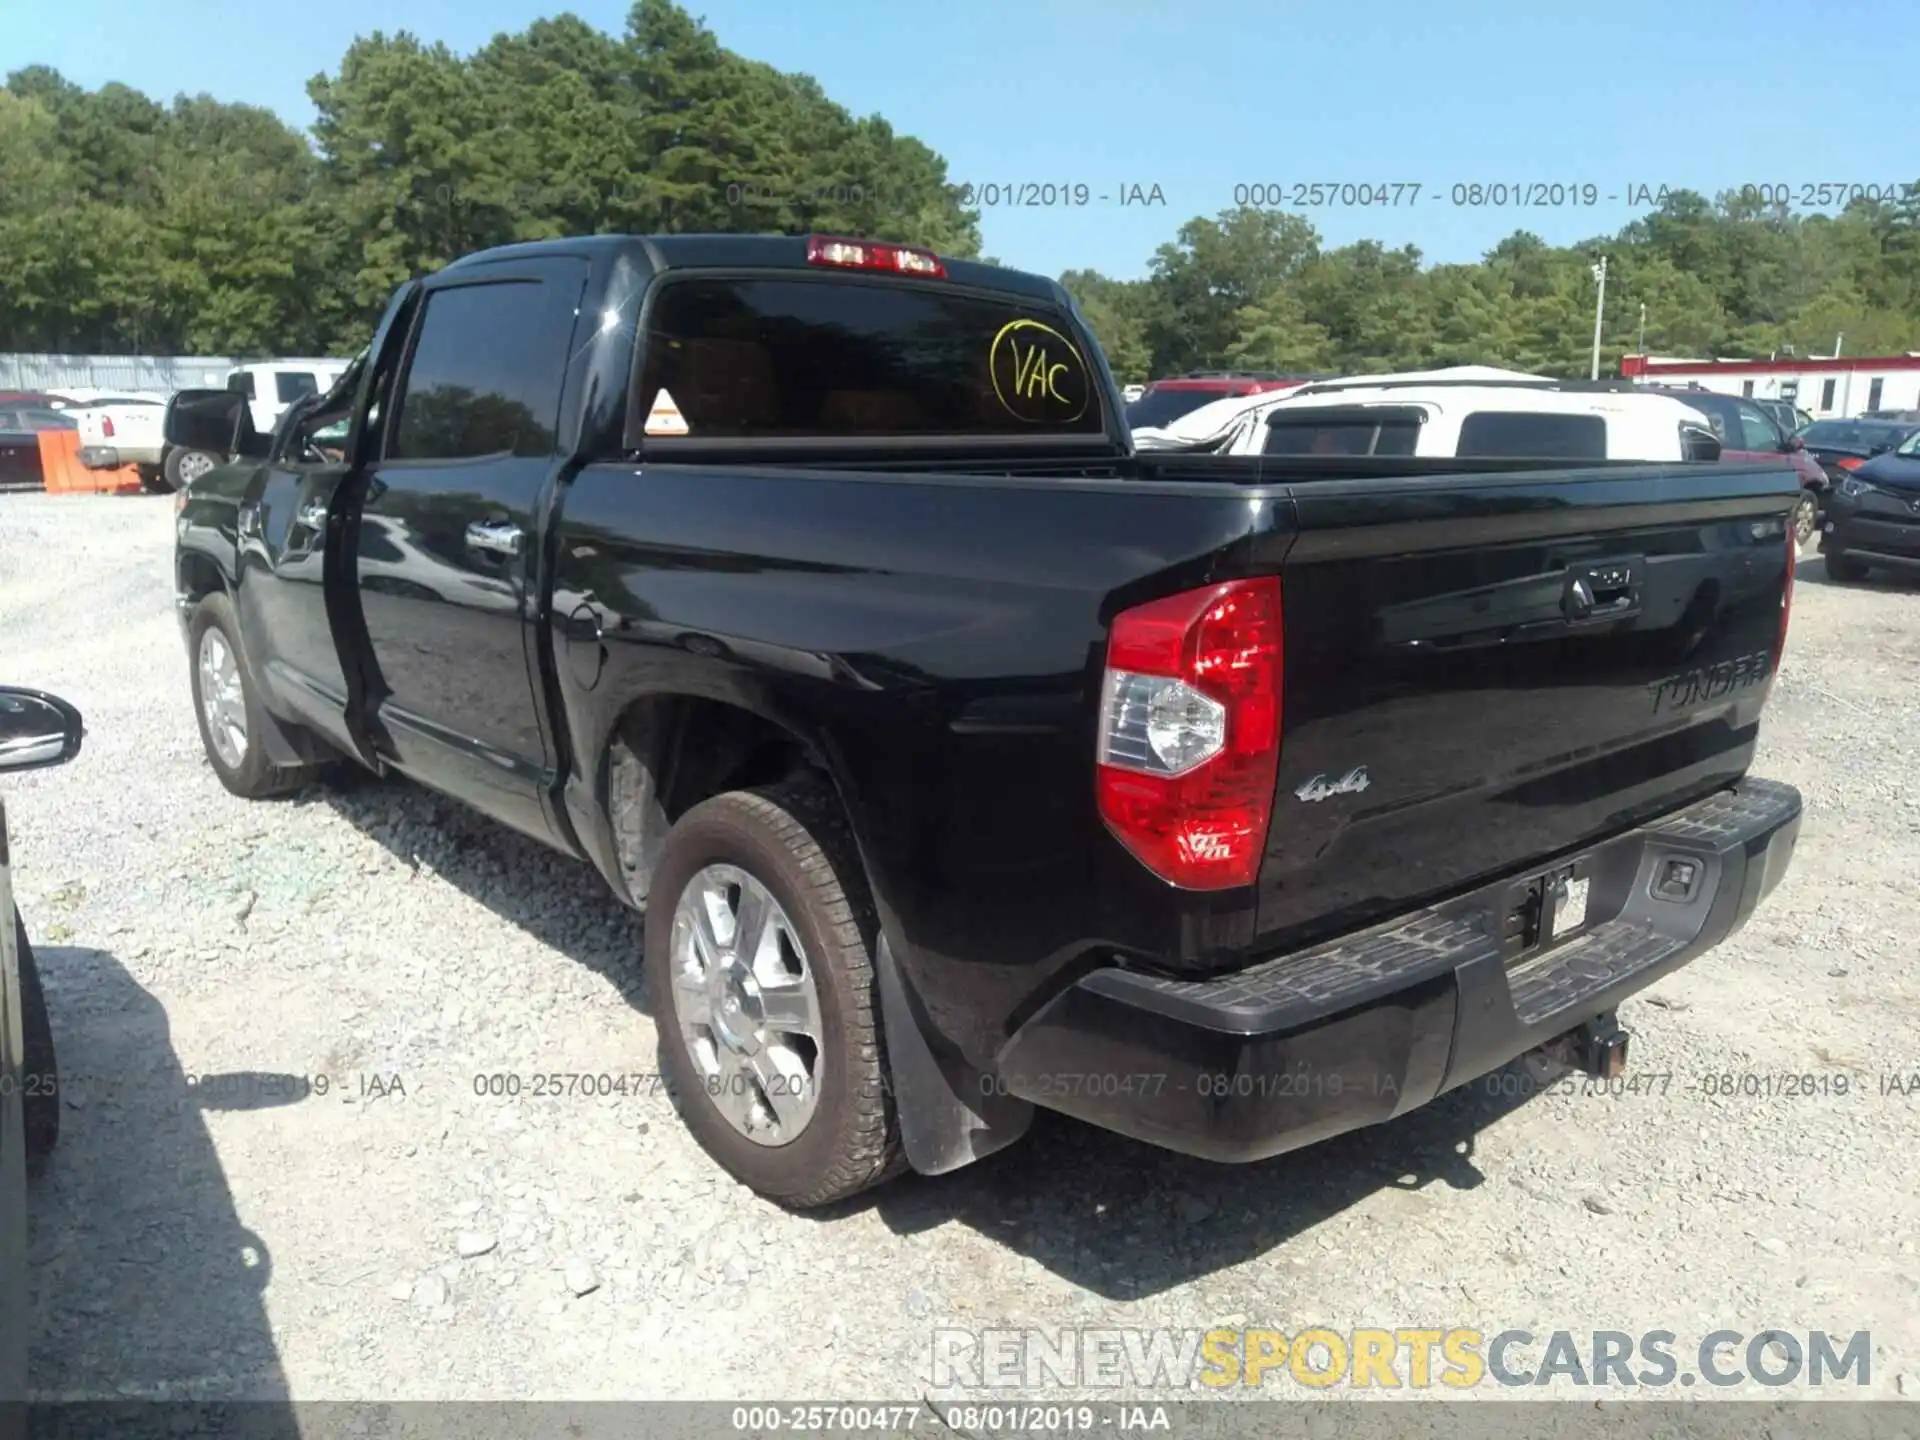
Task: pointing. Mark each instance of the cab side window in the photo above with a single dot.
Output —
(485, 375)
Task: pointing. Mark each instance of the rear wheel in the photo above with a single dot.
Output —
(231, 720)
(182, 467)
(40, 1095)
(760, 937)
(1844, 568)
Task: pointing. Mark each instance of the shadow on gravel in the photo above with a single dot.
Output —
(1128, 1221)
(1123, 1219)
(146, 1286)
(560, 902)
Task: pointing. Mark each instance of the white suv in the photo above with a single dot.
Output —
(1522, 418)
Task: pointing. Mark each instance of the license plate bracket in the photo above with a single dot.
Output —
(1567, 894)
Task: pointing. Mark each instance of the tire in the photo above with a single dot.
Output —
(180, 467)
(40, 1097)
(1844, 568)
(154, 481)
(246, 772)
(792, 839)
(1806, 520)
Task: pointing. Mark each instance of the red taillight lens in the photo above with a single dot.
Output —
(1786, 598)
(874, 255)
(1190, 732)
(1851, 462)
(106, 426)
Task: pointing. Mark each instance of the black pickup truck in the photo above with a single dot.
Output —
(964, 761)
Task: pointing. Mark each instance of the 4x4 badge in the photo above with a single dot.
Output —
(1321, 788)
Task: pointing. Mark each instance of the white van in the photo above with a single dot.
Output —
(1519, 418)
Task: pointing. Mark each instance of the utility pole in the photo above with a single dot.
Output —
(1642, 348)
(1599, 311)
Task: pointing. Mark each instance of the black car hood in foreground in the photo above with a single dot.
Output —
(1892, 472)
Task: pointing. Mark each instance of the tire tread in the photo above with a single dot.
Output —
(804, 818)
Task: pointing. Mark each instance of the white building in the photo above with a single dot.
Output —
(1827, 388)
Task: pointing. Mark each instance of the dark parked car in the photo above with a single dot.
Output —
(964, 761)
(36, 730)
(1842, 446)
(1748, 433)
(20, 427)
(1873, 519)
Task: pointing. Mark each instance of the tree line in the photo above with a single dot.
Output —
(131, 226)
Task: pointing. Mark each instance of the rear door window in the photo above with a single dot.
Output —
(749, 359)
(1757, 432)
(241, 383)
(485, 374)
(1356, 430)
(1525, 434)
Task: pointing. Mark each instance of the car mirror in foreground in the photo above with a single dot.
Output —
(37, 730)
(215, 422)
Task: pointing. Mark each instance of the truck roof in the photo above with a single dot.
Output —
(749, 252)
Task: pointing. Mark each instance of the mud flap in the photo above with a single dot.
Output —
(948, 1116)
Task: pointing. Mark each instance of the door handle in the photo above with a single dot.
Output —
(313, 515)
(500, 537)
(1607, 591)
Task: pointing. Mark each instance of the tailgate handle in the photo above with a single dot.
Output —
(1605, 591)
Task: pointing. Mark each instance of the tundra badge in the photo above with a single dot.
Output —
(1321, 788)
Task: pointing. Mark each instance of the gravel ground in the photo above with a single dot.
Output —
(401, 1237)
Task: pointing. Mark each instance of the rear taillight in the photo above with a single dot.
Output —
(106, 426)
(1786, 598)
(874, 255)
(1850, 462)
(1190, 731)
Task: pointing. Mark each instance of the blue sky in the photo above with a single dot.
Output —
(1198, 99)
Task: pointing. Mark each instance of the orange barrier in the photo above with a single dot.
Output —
(63, 474)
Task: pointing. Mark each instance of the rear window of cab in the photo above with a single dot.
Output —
(835, 358)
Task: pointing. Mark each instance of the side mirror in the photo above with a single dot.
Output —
(1794, 442)
(37, 730)
(215, 422)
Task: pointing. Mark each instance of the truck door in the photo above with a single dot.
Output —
(290, 538)
(281, 597)
(445, 533)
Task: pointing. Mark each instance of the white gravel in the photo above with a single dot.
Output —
(210, 1227)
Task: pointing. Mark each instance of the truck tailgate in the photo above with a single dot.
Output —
(1482, 672)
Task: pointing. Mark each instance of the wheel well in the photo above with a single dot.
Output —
(670, 752)
(200, 577)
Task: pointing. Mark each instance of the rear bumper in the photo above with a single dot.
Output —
(112, 457)
(1356, 1031)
